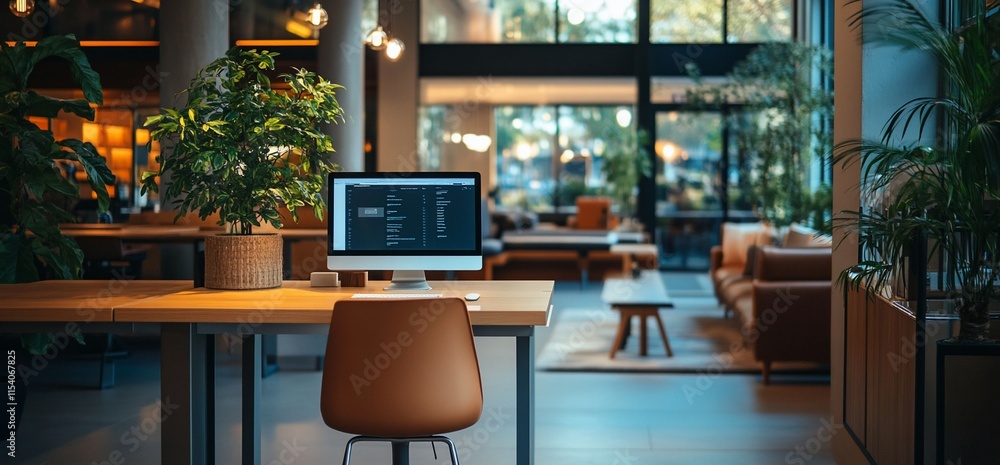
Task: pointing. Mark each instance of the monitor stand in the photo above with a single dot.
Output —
(408, 280)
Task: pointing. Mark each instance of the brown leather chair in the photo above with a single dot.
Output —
(401, 371)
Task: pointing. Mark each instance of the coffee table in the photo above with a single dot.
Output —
(643, 297)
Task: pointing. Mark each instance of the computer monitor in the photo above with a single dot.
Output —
(405, 222)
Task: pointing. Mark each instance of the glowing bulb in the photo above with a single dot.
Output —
(377, 39)
(624, 117)
(456, 137)
(318, 16)
(394, 49)
(22, 8)
(575, 17)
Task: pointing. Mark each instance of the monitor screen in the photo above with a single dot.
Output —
(405, 221)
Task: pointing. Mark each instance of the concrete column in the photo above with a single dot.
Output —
(193, 33)
(398, 90)
(340, 59)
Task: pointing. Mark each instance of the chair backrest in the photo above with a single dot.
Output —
(593, 212)
(399, 368)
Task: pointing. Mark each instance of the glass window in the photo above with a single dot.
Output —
(595, 21)
(487, 21)
(688, 148)
(759, 20)
(526, 140)
(548, 156)
(685, 21)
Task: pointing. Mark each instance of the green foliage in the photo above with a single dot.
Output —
(30, 160)
(947, 192)
(625, 163)
(785, 127)
(243, 149)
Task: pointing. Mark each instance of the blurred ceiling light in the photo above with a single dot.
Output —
(522, 151)
(318, 17)
(456, 137)
(394, 49)
(575, 16)
(567, 156)
(22, 8)
(477, 143)
(377, 39)
(624, 117)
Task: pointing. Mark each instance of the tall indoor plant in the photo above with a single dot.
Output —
(625, 163)
(244, 149)
(781, 114)
(33, 180)
(947, 190)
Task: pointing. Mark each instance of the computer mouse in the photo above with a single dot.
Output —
(471, 296)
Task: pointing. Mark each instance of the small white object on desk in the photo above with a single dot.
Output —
(324, 279)
(471, 296)
(395, 296)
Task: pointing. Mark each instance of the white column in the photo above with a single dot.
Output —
(340, 59)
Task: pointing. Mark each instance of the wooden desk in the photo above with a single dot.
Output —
(90, 301)
(190, 319)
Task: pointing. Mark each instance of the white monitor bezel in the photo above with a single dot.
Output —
(417, 260)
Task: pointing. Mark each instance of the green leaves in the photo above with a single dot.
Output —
(242, 149)
(31, 161)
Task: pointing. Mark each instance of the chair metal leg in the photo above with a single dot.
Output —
(399, 444)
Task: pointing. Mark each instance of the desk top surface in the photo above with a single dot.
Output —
(517, 303)
(646, 291)
(77, 300)
(176, 233)
(514, 303)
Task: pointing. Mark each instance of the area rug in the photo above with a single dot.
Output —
(703, 341)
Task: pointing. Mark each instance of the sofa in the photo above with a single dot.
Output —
(781, 295)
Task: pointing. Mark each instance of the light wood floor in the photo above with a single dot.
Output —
(581, 418)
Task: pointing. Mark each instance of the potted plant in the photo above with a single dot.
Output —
(625, 163)
(946, 190)
(244, 149)
(781, 121)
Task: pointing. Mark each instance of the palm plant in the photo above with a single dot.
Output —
(946, 192)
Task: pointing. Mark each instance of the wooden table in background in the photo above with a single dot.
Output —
(642, 297)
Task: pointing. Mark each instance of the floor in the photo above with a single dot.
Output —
(581, 418)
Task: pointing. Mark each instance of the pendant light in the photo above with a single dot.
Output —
(22, 8)
(317, 17)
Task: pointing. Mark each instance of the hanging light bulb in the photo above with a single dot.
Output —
(22, 8)
(317, 16)
(377, 39)
(394, 49)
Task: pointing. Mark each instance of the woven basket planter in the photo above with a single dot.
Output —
(243, 262)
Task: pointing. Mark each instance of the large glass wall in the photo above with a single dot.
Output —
(517, 21)
(547, 156)
(690, 182)
(720, 21)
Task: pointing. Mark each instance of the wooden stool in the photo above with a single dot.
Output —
(624, 325)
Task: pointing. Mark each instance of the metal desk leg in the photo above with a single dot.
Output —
(525, 372)
(183, 391)
(251, 399)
